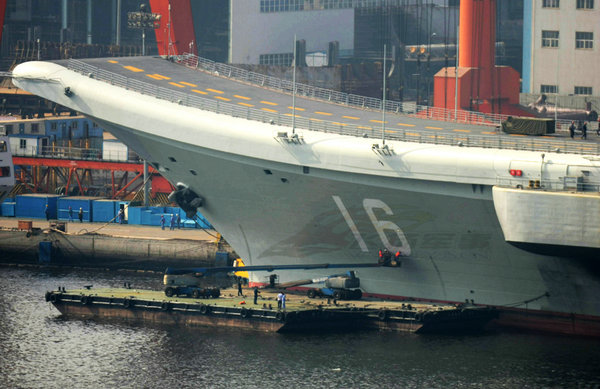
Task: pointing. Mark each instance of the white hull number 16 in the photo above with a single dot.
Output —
(380, 225)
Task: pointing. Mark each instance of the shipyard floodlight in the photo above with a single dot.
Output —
(142, 20)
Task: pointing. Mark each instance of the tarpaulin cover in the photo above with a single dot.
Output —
(528, 126)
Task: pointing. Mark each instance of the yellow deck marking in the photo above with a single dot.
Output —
(433, 128)
(161, 77)
(268, 110)
(405, 125)
(516, 135)
(377, 121)
(316, 120)
(188, 84)
(339, 124)
(215, 90)
(548, 137)
(350, 117)
(177, 85)
(412, 134)
(297, 109)
(153, 76)
(291, 114)
(112, 61)
(458, 130)
(323, 113)
(222, 98)
(246, 104)
(488, 133)
(133, 69)
(391, 131)
(199, 91)
(268, 103)
(242, 97)
(365, 128)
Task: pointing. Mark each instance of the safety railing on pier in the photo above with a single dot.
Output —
(412, 135)
(77, 153)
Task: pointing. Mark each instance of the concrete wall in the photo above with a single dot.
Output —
(107, 251)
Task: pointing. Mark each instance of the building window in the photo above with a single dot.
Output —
(551, 4)
(35, 128)
(583, 90)
(53, 126)
(549, 89)
(8, 128)
(549, 38)
(584, 40)
(22, 144)
(283, 59)
(585, 4)
(267, 6)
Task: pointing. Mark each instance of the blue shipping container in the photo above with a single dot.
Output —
(105, 210)
(8, 208)
(76, 202)
(34, 205)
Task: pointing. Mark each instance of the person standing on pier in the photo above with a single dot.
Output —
(172, 226)
(162, 221)
(70, 213)
(121, 216)
(47, 212)
(283, 297)
(256, 293)
(178, 221)
(584, 131)
(80, 214)
(279, 297)
(240, 293)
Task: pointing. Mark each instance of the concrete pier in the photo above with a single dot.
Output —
(107, 245)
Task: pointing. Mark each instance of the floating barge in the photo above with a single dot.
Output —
(301, 313)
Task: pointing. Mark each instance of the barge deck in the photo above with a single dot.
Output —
(300, 314)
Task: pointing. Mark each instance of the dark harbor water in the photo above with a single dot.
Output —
(41, 349)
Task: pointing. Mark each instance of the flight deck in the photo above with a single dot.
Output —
(240, 98)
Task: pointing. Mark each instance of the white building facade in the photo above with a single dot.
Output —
(262, 31)
(561, 50)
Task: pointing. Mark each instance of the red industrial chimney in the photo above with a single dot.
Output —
(482, 86)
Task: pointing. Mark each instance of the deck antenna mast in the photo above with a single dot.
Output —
(169, 34)
(294, 89)
(383, 100)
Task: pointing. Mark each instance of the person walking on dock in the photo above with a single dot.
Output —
(283, 297)
(256, 293)
(162, 222)
(172, 226)
(70, 213)
(279, 297)
(80, 214)
(584, 131)
(572, 129)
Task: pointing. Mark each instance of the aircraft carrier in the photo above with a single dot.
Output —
(476, 215)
